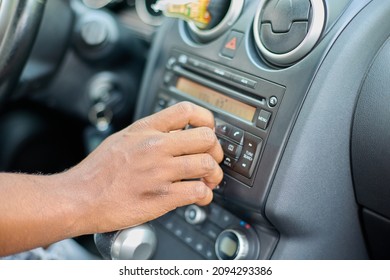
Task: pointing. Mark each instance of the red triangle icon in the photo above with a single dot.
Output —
(232, 44)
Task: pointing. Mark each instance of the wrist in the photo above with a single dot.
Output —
(74, 200)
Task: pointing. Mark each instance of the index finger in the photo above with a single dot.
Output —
(178, 116)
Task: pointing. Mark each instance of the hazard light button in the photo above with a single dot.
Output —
(231, 44)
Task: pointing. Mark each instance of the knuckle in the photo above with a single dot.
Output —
(155, 172)
(208, 163)
(219, 176)
(200, 191)
(152, 143)
(208, 136)
(186, 108)
(186, 166)
(141, 124)
(220, 155)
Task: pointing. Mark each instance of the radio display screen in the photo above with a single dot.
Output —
(216, 99)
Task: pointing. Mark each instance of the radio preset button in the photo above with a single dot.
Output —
(193, 62)
(171, 61)
(244, 81)
(252, 142)
(252, 84)
(222, 128)
(221, 217)
(250, 146)
(250, 150)
(210, 253)
(183, 59)
(248, 155)
(243, 167)
(229, 161)
(211, 230)
(203, 66)
(168, 77)
(230, 148)
(163, 103)
(228, 75)
(220, 72)
(236, 135)
(211, 69)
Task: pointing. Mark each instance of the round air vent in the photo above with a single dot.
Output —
(287, 30)
(147, 14)
(224, 14)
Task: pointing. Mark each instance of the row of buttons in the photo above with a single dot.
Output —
(188, 235)
(219, 217)
(240, 148)
(201, 238)
(185, 60)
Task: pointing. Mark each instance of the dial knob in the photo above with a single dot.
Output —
(232, 244)
(195, 215)
(136, 243)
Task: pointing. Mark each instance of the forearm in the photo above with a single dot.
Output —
(37, 210)
(134, 176)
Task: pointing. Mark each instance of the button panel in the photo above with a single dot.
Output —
(239, 79)
(239, 160)
(200, 238)
(241, 148)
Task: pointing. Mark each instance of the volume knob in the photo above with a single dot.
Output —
(232, 244)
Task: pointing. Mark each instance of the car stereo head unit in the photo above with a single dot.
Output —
(243, 116)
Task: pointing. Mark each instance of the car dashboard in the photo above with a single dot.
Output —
(298, 92)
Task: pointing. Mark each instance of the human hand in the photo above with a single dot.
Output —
(145, 170)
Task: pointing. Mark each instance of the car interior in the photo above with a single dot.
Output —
(300, 94)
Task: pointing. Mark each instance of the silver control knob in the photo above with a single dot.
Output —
(195, 215)
(136, 243)
(232, 244)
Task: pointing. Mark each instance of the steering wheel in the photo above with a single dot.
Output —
(19, 24)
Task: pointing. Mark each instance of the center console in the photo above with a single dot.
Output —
(228, 75)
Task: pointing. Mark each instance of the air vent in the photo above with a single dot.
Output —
(287, 30)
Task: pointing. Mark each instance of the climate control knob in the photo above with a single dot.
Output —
(136, 243)
(195, 215)
(237, 244)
